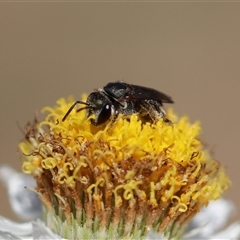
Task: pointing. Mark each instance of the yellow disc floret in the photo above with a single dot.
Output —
(121, 179)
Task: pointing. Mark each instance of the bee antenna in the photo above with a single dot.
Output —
(71, 108)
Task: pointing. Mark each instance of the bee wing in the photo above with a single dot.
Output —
(139, 92)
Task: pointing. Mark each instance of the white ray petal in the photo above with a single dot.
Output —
(26, 204)
(8, 236)
(211, 218)
(19, 229)
(231, 232)
(40, 231)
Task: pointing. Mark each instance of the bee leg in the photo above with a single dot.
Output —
(154, 110)
(112, 120)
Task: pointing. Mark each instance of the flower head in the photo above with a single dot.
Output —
(119, 180)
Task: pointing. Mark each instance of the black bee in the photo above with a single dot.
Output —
(119, 97)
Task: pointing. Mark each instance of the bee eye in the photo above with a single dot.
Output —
(104, 114)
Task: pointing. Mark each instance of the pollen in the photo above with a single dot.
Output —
(119, 180)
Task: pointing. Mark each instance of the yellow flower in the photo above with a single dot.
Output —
(120, 180)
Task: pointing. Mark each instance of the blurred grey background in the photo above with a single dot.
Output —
(190, 51)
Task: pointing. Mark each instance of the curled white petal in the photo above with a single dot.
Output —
(231, 232)
(210, 219)
(40, 231)
(8, 236)
(26, 204)
(18, 229)
(37, 230)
